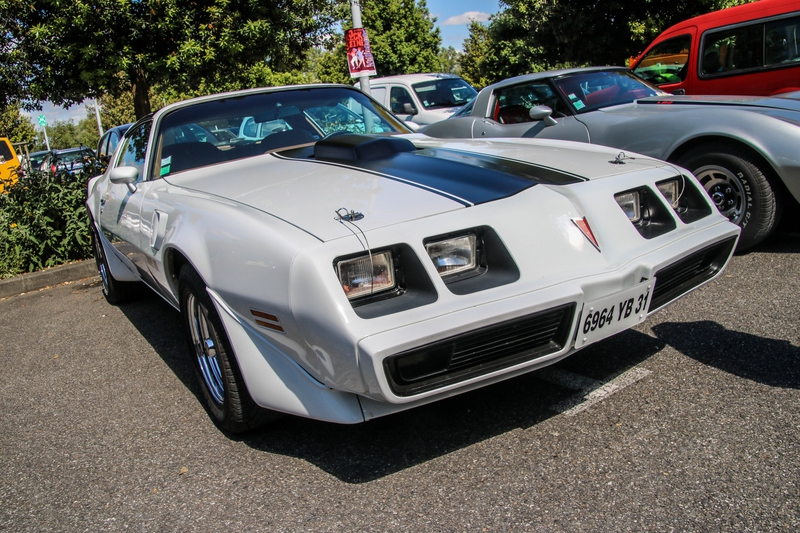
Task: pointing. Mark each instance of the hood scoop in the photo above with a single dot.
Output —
(352, 147)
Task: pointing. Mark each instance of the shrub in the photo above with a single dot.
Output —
(43, 221)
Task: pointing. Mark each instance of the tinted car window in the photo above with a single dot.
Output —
(782, 41)
(587, 91)
(513, 103)
(445, 92)
(135, 149)
(733, 49)
(5, 150)
(399, 96)
(666, 62)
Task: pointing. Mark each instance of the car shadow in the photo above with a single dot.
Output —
(769, 361)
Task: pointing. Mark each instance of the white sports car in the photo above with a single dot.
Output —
(339, 267)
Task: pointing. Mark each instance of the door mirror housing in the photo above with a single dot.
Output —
(542, 112)
(126, 175)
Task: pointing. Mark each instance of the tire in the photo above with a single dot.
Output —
(739, 185)
(226, 398)
(116, 292)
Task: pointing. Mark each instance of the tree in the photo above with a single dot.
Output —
(16, 126)
(449, 60)
(91, 48)
(473, 59)
(402, 34)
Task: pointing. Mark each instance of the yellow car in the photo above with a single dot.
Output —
(9, 164)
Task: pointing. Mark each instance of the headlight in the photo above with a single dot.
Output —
(454, 255)
(366, 275)
(630, 204)
(671, 191)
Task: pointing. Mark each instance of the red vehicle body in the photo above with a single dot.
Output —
(751, 49)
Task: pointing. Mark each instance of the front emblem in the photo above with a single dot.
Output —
(583, 225)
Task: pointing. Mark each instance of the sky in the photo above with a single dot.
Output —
(452, 18)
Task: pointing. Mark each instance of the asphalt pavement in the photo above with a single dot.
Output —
(690, 422)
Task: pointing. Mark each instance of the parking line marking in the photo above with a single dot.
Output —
(590, 391)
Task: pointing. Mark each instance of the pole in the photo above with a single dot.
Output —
(46, 140)
(97, 115)
(355, 9)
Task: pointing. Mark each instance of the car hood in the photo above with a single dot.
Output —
(437, 176)
(789, 100)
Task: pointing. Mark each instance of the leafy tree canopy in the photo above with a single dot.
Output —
(79, 49)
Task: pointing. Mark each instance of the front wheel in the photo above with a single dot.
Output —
(116, 292)
(739, 187)
(221, 382)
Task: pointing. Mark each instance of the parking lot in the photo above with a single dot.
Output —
(691, 422)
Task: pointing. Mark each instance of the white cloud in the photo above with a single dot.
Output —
(466, 18)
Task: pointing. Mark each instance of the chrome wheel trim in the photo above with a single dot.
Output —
(101, 263)
(725, 189)
(205, 348)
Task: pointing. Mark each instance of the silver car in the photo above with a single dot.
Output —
(744, 150)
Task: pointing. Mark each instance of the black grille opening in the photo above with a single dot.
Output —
(480, 351)
(682, 276)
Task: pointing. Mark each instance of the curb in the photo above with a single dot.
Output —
(47, 278)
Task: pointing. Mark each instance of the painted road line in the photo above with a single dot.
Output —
(590, 391)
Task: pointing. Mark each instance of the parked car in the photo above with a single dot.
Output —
(749, 49)
(422, 98)
(742, 149)
(343, 276)
(109, 141)
(9, 164)
(36, 159)
(70, 160)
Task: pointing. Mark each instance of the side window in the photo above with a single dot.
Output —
(399, 96)
(666, 62)
(379, 94)
(514, 103)
(782, 41)
(113, 141)
(135, 148)
(733, 49)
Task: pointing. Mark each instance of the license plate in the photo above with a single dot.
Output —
(612, 314)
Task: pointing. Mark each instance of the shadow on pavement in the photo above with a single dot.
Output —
(768, 361)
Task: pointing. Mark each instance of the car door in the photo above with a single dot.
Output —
(120, 205)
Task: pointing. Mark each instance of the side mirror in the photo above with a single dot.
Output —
(409, 109)
(542, 112)
(678, 92)
(126, 175)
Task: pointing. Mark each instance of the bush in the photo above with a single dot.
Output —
(43, 221)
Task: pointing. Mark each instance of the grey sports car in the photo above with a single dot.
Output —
(744, 150)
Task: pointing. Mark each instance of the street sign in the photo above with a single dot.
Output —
(42, 121)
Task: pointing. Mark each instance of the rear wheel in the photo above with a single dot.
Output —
(221, 382)
(116, 292)
(739, 185)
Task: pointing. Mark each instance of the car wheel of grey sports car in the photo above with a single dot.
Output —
(221, 382)
(116, 292)
(739, 188)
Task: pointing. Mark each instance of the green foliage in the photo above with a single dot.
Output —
(43, 222)
(90, 48)
(449, 60)
(473, 60)
(66, 134)
(16, 126)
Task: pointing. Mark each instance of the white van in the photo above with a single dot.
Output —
(422, 98)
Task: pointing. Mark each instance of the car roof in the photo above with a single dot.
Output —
(550, 74)
(412, 78)
(732, 15)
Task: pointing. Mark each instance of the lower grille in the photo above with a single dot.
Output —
(479, 352)
(682, 276)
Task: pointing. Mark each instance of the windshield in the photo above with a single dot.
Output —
(236, 127)
(587, 91)
(444, 92)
